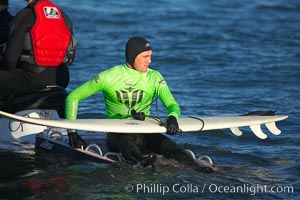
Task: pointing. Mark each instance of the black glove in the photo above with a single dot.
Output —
(75, 140)
(138, 115)
(172, 125)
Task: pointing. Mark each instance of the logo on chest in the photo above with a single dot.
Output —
(130, 96)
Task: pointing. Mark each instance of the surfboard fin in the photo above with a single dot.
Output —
(273, 128)
(256, 129)
(236, 131)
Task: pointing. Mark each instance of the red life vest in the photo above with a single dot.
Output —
(50, 35)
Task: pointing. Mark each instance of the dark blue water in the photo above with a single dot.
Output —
(219, 58)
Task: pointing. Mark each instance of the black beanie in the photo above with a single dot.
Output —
(134, 47)
(4, 2)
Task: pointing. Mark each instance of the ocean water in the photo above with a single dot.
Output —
(219, 58)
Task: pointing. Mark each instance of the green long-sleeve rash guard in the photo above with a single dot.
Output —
(124, 89)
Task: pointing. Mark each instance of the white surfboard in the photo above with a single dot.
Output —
(150, 125)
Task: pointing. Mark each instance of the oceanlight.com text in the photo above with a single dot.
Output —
(141, 188)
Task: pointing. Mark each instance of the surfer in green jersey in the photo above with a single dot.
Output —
(129, 90)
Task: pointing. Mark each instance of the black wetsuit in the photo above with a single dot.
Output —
(17, 77)
(134, 146)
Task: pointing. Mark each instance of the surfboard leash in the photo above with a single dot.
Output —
(141, 115)
(198, 118)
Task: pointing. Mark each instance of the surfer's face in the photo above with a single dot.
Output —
(142, 61)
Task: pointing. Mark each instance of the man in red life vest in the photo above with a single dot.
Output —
(39, 50)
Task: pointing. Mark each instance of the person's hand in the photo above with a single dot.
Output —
(172, 125)
(138, 115)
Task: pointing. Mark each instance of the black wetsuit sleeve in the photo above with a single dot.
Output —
(22, 23)
(68, 21)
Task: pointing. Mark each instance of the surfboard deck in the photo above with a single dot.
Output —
(152, 125)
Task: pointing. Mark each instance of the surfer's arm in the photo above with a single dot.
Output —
(168, 99)
(171, 105)
(173, 108)
(82, 92)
